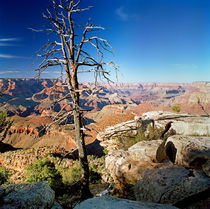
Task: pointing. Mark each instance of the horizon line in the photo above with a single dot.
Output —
(125, 82)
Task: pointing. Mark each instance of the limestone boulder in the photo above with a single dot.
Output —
(190, 151)
(109, 202)
(170, 185)
(27, 196)
(147, 151)
(123, 169)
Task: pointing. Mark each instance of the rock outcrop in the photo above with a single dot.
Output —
(123, 169)
(128, 166)
(108, 136)
(28, 196)
(170, 184)
(190, 151)
(182, 124)
(151, 163)
(146, 151)
(108, 202)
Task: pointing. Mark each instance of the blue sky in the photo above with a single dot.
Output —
(154, 40)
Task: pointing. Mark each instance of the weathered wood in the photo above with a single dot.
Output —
(72, 55)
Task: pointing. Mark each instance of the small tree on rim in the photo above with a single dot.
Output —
(67, 52)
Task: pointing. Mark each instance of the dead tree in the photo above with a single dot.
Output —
(73, 56)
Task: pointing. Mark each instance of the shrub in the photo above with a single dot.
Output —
(105, 151)
(152, 133)
(72, 174)
(127, 140)
(4, 175)
(44, 170)
(176, 108)
(95, 176)
(3, 122)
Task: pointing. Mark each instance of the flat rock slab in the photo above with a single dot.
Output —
(109, 202)
(27, 196)
(170, 185)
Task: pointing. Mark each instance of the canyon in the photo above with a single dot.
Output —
(31, 106)
(25, 97)
(113, 113)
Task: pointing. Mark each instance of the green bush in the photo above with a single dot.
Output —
(152, 133)
(95, 176)
(72, 174)
(4, 175)
(127, 140)
(176, 108)
(105, 151)
(3, 122)
(44, 170)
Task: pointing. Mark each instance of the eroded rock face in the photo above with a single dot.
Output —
(108, 202)
(124, 169)
(170, 185)
(27, 196)
(190, 151)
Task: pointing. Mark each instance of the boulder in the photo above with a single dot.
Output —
(27, 196)
(170, 184)
(124, 169)
(109, 202)
(146, 151)
(190, 151)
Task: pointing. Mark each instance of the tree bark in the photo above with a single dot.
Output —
(80, 142)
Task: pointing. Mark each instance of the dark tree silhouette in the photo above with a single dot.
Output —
(66, 51)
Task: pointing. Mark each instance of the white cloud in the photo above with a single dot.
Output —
(122, 14)
(8, 39)
(9, 56)
(9, 71)
(125, 16)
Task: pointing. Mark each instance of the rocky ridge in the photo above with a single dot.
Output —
(185, 156)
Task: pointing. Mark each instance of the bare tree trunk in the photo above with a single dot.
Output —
(80, 142)
(73, 55)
